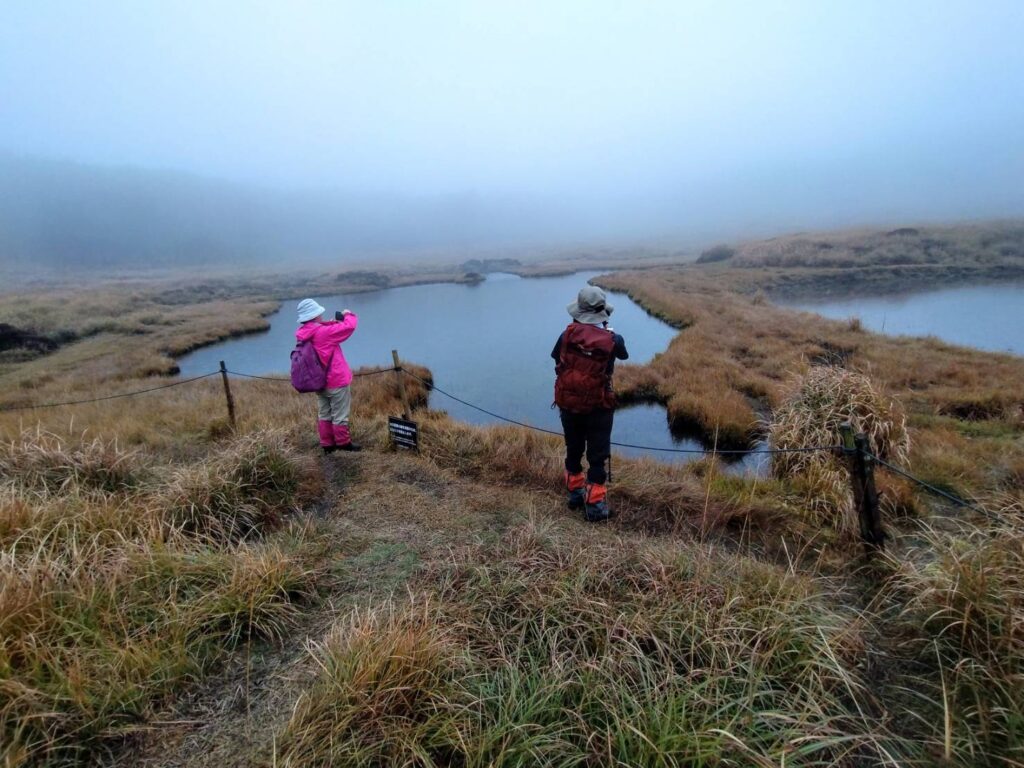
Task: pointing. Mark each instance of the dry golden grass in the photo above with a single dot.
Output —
(869, 262)
(140, 542)
(115, 330)
(645, 639)
(383, 672)
(110, 597)
(980, 246)
(958, 607)
(111, 344)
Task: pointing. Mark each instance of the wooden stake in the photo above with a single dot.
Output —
(407, 412)
(871, 518)
(862, 480)
(227, 395)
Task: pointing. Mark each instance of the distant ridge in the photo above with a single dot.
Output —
(62, 213)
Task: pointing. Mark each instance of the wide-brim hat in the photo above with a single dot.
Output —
(308, 310)
(591, 306)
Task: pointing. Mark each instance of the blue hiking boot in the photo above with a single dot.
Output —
(576, 499)
(596, 506)
(576, 486)
(598, 512)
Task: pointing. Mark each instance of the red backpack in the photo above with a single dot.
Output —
(582, 383)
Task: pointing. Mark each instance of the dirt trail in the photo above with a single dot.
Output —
(377, 542)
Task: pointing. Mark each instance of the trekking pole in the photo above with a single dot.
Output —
(406, 411)
(227, 395)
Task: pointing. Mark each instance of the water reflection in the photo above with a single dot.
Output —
(643, 424)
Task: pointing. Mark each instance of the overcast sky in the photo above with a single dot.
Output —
(673, 116)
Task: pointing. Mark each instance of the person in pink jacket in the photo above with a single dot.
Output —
(335, 400)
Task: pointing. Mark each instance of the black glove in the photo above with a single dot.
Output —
(338, 315)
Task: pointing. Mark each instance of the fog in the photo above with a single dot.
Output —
(200, 132)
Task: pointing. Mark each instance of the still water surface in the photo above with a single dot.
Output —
(489, 344)
(989, 317)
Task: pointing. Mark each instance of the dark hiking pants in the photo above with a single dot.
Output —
(590, 433)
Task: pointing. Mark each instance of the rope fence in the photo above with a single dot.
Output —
(108, 397)
(356, 375)
(859, 454)
(743, 452)
(929, 487)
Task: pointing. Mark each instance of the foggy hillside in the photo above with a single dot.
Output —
(55, 213)
(64, 214)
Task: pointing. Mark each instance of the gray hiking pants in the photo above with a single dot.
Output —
(333, 405)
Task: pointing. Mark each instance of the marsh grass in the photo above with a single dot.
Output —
(383, 697)
(241, 490)
(109, 331)
(958, 606)
(534, 648)
(978, 246)
(535, 652)
(649, 496)
(38, 460)
(110, 600)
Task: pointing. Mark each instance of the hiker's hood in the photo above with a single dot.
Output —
(306, 331)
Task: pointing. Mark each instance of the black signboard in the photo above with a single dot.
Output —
(404, 434)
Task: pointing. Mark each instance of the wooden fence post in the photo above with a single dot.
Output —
(227, 395)
(862, 480)
(406, 412)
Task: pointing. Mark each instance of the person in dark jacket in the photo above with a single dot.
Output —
(585, 356)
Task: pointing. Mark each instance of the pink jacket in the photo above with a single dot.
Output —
(327, 337)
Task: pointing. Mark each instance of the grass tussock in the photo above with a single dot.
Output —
(820, 400)
(958, 603)
(386, 680)
(42, 461)
(243, 489)
(110, 599)
(533, 652)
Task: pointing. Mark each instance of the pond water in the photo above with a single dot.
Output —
(488, 344)
(989, 317)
